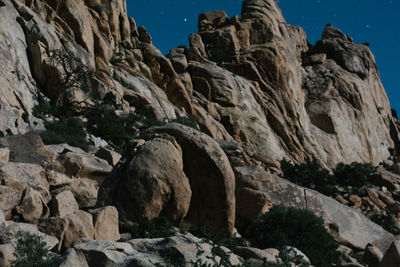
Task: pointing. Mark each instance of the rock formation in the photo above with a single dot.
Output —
(257, 92)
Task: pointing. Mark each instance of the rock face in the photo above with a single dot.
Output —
(255, 88)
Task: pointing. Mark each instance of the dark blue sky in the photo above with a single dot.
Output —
(170, 22)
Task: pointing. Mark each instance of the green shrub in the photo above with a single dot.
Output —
(31, 251)
(388, 222)
(353, 176)
(152, 228)
(311, 175)
(294, 227)
(43, 109)
(116, 129)
(188, 121)
(68, 130)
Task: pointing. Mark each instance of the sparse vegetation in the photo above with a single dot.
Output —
(354, 176)
(75, 76)
(346, 178)
(69, 130)
(152, 228)
(388, 222)
(188, 121)
(31, 251)
(283, 226)
(311, 175)
(43, 109)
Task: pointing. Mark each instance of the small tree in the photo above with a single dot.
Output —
(75, 75)
(31, 251)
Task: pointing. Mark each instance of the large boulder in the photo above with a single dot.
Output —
(347, 225)
(210, 175)
(151, 183)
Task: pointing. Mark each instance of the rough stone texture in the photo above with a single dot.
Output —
(7, 234)
(71, 258)
(64, 204)
(54, 226)
(23, 185)
(150, 183)
(4, 155)
(28, 148)
(372, 256)
(270, 255)
(2, 219)
(85, 165)
(110, 156)
(80, 226)
(6, 254)
(105, 222)
(210, 175)
(392, 256)
(346, 224)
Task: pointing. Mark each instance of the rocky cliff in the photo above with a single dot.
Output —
(257, 90)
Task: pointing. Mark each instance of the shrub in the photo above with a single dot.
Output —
(43, 109)
(388, 222)
(188, 121)
(116, 129)
(152, 228)
(76, 76)
(31, 251)
(294, 227)
(311, 175)
(68, 130)
(353, 176)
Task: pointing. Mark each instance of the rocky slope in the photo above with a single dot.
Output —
(256, 89)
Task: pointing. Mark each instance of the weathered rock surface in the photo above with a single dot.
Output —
(7, 234)
(392, 256)
(64, 204)
(180, 250)
(210, 175)
(346, 224)
(105, 221)
(23, 185)
(151, 183)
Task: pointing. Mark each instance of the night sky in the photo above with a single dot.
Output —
(374, 21)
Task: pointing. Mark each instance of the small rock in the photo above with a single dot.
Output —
(64, 204)
(6, 254)
(80, 227)
(392, 256)
(32, 206)
(110, 156)
(372, 256)
(54, 226)
(356, 201)
(71, 258)
(57, 179)
(293, 254)
(4, 155)
(105, 223)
